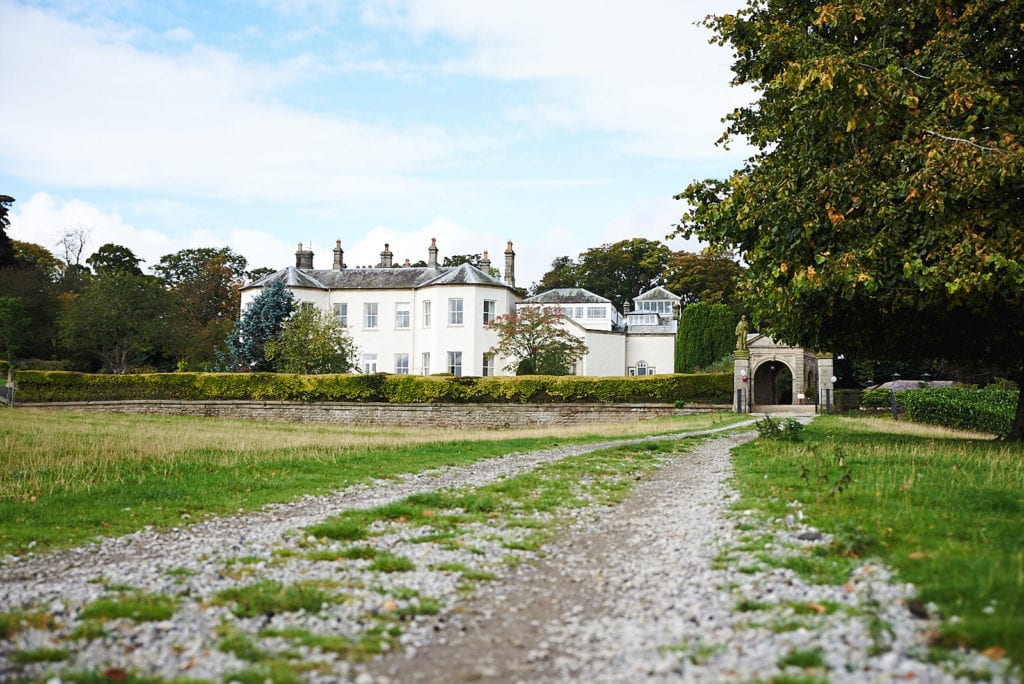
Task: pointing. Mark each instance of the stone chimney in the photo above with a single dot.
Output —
(386, 257)
(510, 265)
(627, 306)
(339, 256)
(432, 252)
(676, 310)
(303, 258)
(485, 263)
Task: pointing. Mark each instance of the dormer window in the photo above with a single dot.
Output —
(660, 306)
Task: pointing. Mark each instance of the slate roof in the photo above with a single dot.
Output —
(657, 293)
(567, 295)
(403, 278)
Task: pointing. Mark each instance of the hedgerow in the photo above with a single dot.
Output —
(990, 410)
(52, 386)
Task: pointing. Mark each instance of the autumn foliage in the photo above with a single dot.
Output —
(882, 211)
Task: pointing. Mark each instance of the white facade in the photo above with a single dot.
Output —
(639, 343)
(408, 320)
(432, 319)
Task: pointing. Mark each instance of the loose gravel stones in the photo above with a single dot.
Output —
(626, 593)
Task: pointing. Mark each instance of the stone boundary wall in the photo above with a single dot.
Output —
(368, 413)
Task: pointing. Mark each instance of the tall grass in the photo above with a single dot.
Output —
(67, 477)
(942, 508)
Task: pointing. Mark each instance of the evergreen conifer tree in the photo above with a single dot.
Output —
(704, 336)
(262, 322)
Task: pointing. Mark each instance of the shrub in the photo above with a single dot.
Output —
(43, 386)
(879, 398)
(989, 410)
(788, 430)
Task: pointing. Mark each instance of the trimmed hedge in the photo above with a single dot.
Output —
(47, 386)
(990, 410)
(879, 398)
(987, 410)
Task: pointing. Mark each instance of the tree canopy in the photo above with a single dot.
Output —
(536, 343)
(312, 341)
(120, 320)
(111, 259)
(29, 254)
(882, 211)
(709, 277)
(37, 294)
(6, 247)
(618, 271)
(205, 283)
(260, 323)
(14, 327)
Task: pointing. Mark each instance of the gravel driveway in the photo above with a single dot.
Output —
(626, 593)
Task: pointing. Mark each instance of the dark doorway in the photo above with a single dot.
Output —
(773, 383)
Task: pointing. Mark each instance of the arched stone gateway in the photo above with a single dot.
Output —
(772, 383)
(773, 377)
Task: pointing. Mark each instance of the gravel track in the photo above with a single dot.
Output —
(625, 594)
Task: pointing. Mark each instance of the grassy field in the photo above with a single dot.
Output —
(943, 509)
(66, 478)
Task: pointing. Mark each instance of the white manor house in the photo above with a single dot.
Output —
(433, 319)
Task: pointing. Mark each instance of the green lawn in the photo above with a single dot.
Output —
(944, 510)
(67, 478)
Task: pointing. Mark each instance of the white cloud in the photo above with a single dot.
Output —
(654, 219)
(84, 108)
(452, 238)
(43, 219)
(643, 69)
(179, 35)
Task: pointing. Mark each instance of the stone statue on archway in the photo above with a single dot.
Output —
(741, 334)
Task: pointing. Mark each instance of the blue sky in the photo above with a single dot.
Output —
(559, 125)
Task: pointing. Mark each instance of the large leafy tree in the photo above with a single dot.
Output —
(29, 254)
(205, 283)
(119, 321)
(37, 295)
(882, 211)
(618, 271)
(260, 323)
(705, 335)
(709, 277)
(31, 280)
(7, 257)
(14, 327)
(312, 341)
(563, 273)
(536, 342)
(110, 259)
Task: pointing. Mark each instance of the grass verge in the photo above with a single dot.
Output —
(67, 478)
(942, 509)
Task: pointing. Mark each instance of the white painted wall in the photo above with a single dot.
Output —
(605, 354)
(657, 351)
(438, 336)
(610, 353)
